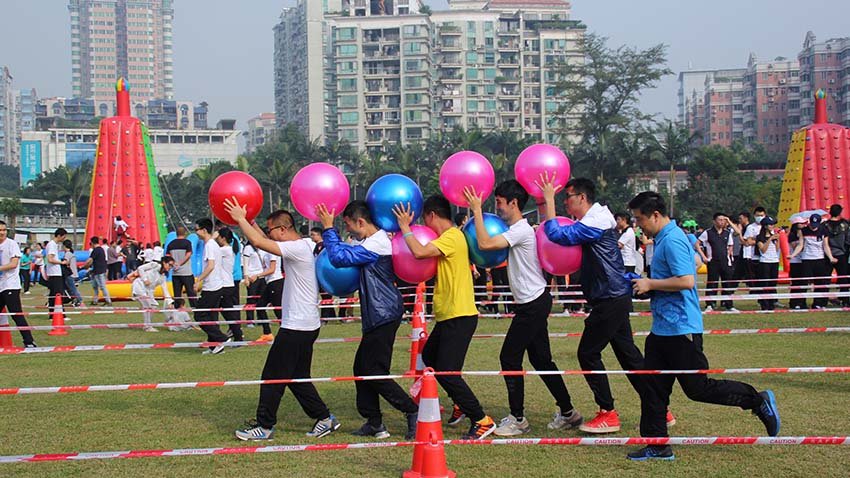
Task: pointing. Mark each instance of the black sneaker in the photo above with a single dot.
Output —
(652, 452)
(412, 421)
(768, 413)
(369, 430)
(30, 345)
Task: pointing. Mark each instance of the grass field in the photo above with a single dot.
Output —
(810, 404)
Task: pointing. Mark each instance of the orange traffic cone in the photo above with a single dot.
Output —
(5, 334)
(428, 429)
(434, 460)
(58, 317)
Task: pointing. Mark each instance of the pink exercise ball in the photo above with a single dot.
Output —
(466, 168)
(319, 183)
(537, 159)
(555, 259)
(407, 267)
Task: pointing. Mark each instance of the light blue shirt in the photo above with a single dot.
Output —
(674, 313)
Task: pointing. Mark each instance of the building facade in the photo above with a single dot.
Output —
(156, 114)
(8, 118)
(723, 107)
(771, 103)
(260, 129)
(825, 66)
(173, 150)
(122, 38)
(393, 74)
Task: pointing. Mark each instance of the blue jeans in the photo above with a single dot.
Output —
(98, 281)
(71, 287)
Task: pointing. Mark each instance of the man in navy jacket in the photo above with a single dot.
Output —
(606, 290)
(381, 308)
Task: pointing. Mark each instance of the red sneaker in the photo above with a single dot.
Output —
(605, 421)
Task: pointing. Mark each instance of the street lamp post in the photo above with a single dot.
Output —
(73, 228)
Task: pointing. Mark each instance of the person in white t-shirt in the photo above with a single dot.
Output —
(528, 332)
(626, 242)
(229, 248)
(252, 264)
(750, 251)
(10, 283)
(209, 285)
(767, 242)
(145, 281)
(291, 354)
(53, 266)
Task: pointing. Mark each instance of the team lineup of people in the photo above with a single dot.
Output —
(675, 341)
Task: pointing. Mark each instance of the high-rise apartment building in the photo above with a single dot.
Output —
(692, 88)
(771, 103)
(260, 130)
(122, 38)
(390, 73)
(824, 66)
(8, 118)
(723, 107)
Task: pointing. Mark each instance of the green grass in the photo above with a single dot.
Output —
(810, 404)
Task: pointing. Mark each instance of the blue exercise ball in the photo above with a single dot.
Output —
(338, 281)
(494, 226)
(388, 191)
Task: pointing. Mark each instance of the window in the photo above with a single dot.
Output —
(411, 65)
(472, 106)
(347, 50)
(411, 116)
(411, 99)
(489, 73)
(471, 58)
(348, 118)
(347, 101)
(348, 84)
(349, 135)
(472, 73)
(412, 47)
(413, 82)
(472, 90)
(490, 105)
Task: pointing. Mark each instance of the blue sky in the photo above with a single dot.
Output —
(223, 49)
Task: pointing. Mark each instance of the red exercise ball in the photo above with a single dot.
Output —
(237, 184)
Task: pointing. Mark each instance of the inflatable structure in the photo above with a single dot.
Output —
(817, 174)
(124, 180)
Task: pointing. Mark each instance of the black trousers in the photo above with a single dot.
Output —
(841, 268)
(684, 352)
(272, 294)
(55, 285)
(501, 292)
(210, 299)
(11, 300)
(752, 271)
(529, 332)
(255, 293)
(768, 272)
(608, 323)
(113, 271)
(719, 276)
(445, 351)
(187, 284)
(230, 299)
(796, 285)
(25, 279)
(374, 357)
(290, 356)
(816, 268)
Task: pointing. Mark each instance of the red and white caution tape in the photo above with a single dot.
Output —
(232, 383)
(192, 345)
(245, 450)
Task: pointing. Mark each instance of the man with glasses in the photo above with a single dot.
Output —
(10, 283)
(291, 354)
(210, 286)
(606, 290)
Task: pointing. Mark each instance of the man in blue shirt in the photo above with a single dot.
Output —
(675, 341)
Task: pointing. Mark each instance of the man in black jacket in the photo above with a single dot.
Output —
(838, 238)
(382, 308)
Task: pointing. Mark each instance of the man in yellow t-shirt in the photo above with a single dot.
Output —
(454, 308)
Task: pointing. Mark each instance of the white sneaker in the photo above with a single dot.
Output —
(708, 309)
(733, 310)
(150, 329)
(509, 426)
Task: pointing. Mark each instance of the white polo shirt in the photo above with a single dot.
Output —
(525, 275)
(50, 269)
(10, 279)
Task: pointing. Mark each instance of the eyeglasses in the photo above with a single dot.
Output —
(569, 195)
(279, 227)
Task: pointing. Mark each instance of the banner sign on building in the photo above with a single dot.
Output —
(30, 161)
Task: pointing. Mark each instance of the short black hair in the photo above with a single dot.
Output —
(460, 218)
(623, 216)
(512, 189)
(60, 232)
(746, 215)
(316, 229)
(583, 186)
(717, 214)
(835, 210)
(439, 205)
(281, 217)
(94, 240)
(649, 202)
(759, 209)
(205, 224)
(358, 209)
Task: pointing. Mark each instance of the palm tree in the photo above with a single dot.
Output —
(72, 185)
(11, 207)
(673, 145)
